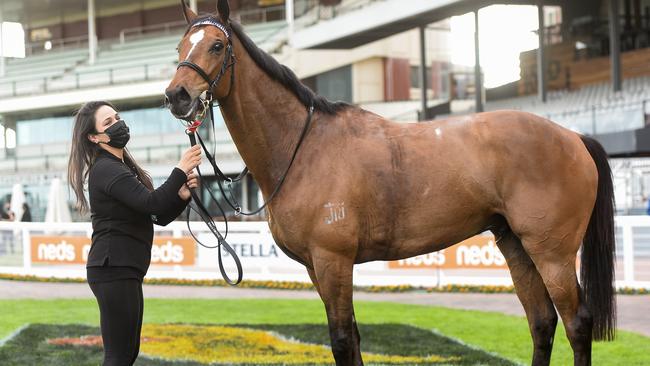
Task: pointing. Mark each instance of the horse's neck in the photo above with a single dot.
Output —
(265, 121)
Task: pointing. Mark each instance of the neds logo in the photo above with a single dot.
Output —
(62, 252)
(167, 253)
(477, 255)
(430, 259)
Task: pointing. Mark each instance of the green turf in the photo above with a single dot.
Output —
(504, 335)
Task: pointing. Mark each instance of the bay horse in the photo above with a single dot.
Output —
(406, 189)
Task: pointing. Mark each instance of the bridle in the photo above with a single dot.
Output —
(192, 132)
(228, 61)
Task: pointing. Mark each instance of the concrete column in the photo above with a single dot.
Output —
(9, 123)
(2, 58)
(244, 194)
(2, 62)
(4, 136)
(541, 59)
(478, 80)
(289, 14)
(615, 45)
(423, 73)
(92, 34)
(194, 6)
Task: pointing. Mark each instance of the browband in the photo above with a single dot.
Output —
(215, 23)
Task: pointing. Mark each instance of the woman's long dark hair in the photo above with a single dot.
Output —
(83, 153)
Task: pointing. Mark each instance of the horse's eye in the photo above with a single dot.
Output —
(217, 47)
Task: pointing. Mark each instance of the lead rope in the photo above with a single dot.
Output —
(201, 210)
(234, 205)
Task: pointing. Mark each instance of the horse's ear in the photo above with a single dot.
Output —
(224, 10)
(187, 12)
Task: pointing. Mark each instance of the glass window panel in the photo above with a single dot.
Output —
(146, 121)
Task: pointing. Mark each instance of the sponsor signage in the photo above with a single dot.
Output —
(257, 252)
(478, 252)
(166, 250)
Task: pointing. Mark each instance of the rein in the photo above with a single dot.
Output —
(192, 132)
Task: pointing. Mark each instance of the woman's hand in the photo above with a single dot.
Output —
(192, 182)
(191, 159)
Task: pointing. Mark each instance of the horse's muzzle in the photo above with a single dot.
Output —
(180, 103)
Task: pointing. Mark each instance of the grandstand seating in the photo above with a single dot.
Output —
(567, 70)
(32, 74)
(584, 109)
(145, 58)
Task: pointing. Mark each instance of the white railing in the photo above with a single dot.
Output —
(249, 16)
(260, 15)
(164, 28)
(60, 250)
(60, 44)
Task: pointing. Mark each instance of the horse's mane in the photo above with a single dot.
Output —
(279, 72)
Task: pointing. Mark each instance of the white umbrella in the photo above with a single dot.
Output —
(17, 200)
(57, 205)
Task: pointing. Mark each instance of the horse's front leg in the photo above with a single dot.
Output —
(332, 277)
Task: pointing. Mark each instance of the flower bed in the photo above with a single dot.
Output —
(252, 344)
(294, 285)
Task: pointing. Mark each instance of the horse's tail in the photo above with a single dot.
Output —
(598, 247)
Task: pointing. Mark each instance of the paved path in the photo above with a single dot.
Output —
(633, 310)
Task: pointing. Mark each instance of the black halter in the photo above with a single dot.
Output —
(191, 131)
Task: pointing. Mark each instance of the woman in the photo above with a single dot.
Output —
(124, 206)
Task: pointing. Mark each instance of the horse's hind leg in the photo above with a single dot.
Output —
(332, 276)
(541, 315)
(555, 259)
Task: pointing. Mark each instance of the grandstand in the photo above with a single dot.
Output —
(592, 109)
(335, 52)
(149, 57)
(392, 57)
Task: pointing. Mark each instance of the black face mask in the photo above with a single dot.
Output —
(118, 133)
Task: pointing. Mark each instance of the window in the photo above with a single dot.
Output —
(415, 77)
(336, 85)
(145, 121)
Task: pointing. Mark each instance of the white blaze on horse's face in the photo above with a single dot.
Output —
(438, 132)
(194, 40)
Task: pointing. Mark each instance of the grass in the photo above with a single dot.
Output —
(501, 334)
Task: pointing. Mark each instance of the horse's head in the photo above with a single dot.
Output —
(204, 56)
